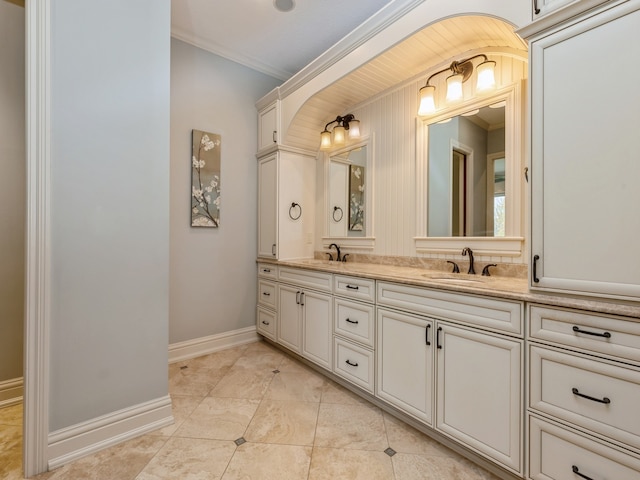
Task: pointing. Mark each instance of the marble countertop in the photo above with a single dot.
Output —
(508, 288)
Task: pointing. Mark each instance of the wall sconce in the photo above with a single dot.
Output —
(345, 124)
(460, 73)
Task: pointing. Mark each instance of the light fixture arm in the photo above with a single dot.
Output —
(459, 67)
(341, 121)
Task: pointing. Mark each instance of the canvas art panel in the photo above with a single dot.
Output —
(356, 198)
(205, 179)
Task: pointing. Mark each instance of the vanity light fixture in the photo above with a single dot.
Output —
(460, 73)
(345, 124)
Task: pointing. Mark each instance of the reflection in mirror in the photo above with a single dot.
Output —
(347, 193)
(466, 182)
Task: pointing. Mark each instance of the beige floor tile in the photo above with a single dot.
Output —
(195, 381)
(355, 427)
(224, 359)
(122, 462)
(291, 365)
(334, 393)
(11, 415)
(412, 467)
(304, 387)
(189, 459)
(338, 464)
(219, 419)
(10, 451)
(405, 439)
(262, 356)
(259, 461)
(284, 422)
(181, 408)
(242, 382)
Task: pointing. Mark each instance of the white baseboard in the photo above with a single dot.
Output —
(11, 392)
(85, 438)
(204, 345)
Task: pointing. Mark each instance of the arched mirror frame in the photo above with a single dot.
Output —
(513, 241)
(366, 241)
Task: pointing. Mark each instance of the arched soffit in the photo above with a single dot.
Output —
(433, 47)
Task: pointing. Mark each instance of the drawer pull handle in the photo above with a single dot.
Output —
(575, 470)
(355, 322)
(352, 287)
(265, 322)
(426, 334)
(266, 294)
(595, 334)
(266, 270)
(605, 400)
(349, 363)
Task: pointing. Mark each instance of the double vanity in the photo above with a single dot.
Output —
(480, 363)
(534, 370)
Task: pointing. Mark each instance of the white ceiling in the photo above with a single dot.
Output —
(254, 33)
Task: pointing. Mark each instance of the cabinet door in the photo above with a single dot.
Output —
(317, 319)
(585, 222)
(267, 206)
(267, 127)
(289, 317)
(479, 398)
(540, 8)
(405, 362)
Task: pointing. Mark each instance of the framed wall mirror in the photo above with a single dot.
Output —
(469, 166)
(349, 196)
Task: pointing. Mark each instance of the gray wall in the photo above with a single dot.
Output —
(110, 206)
(12, 189)
(213, 270)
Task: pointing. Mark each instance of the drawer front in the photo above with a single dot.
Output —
(555, 454)
(354, 287)
(599, 396)
(354, 363)
(266, 323)
(267, 270)
(306, 278)
(355, 321)
(609, 335)
(498, 315)
(267, 294)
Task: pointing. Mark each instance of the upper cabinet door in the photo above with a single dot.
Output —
(267, 127)
(585, 154)
(540, 8)
(267, 206)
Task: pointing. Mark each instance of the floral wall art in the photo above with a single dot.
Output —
(205, 179)
(356, 198)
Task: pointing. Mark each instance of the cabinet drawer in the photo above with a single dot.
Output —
(354, 363)
(267, 270)
(306, 278)
(556, 452)
(266, 323)
(599, 396)
(354, 287)
(609, 335)
(499, 315)
(355, 321)
(267, 293)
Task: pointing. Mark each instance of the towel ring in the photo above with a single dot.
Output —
(335, 213)
(291, 208)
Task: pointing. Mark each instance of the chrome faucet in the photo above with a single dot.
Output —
(339, 259)
(466, 251)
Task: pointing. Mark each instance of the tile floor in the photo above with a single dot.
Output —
(252, 412)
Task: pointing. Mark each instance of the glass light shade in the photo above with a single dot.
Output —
(338, 135)
(454, 88)
(325, 140)
(427, 102)
(486, 76)
(354, 129)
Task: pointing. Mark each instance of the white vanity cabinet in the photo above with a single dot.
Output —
(286, 205)
(268, 127)
(584, 389)
(458, 356)
(267, 300)
(354, 330)
(584, 162)
(305, 315)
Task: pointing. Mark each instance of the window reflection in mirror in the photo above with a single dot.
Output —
(347, 193)
(466, 165)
